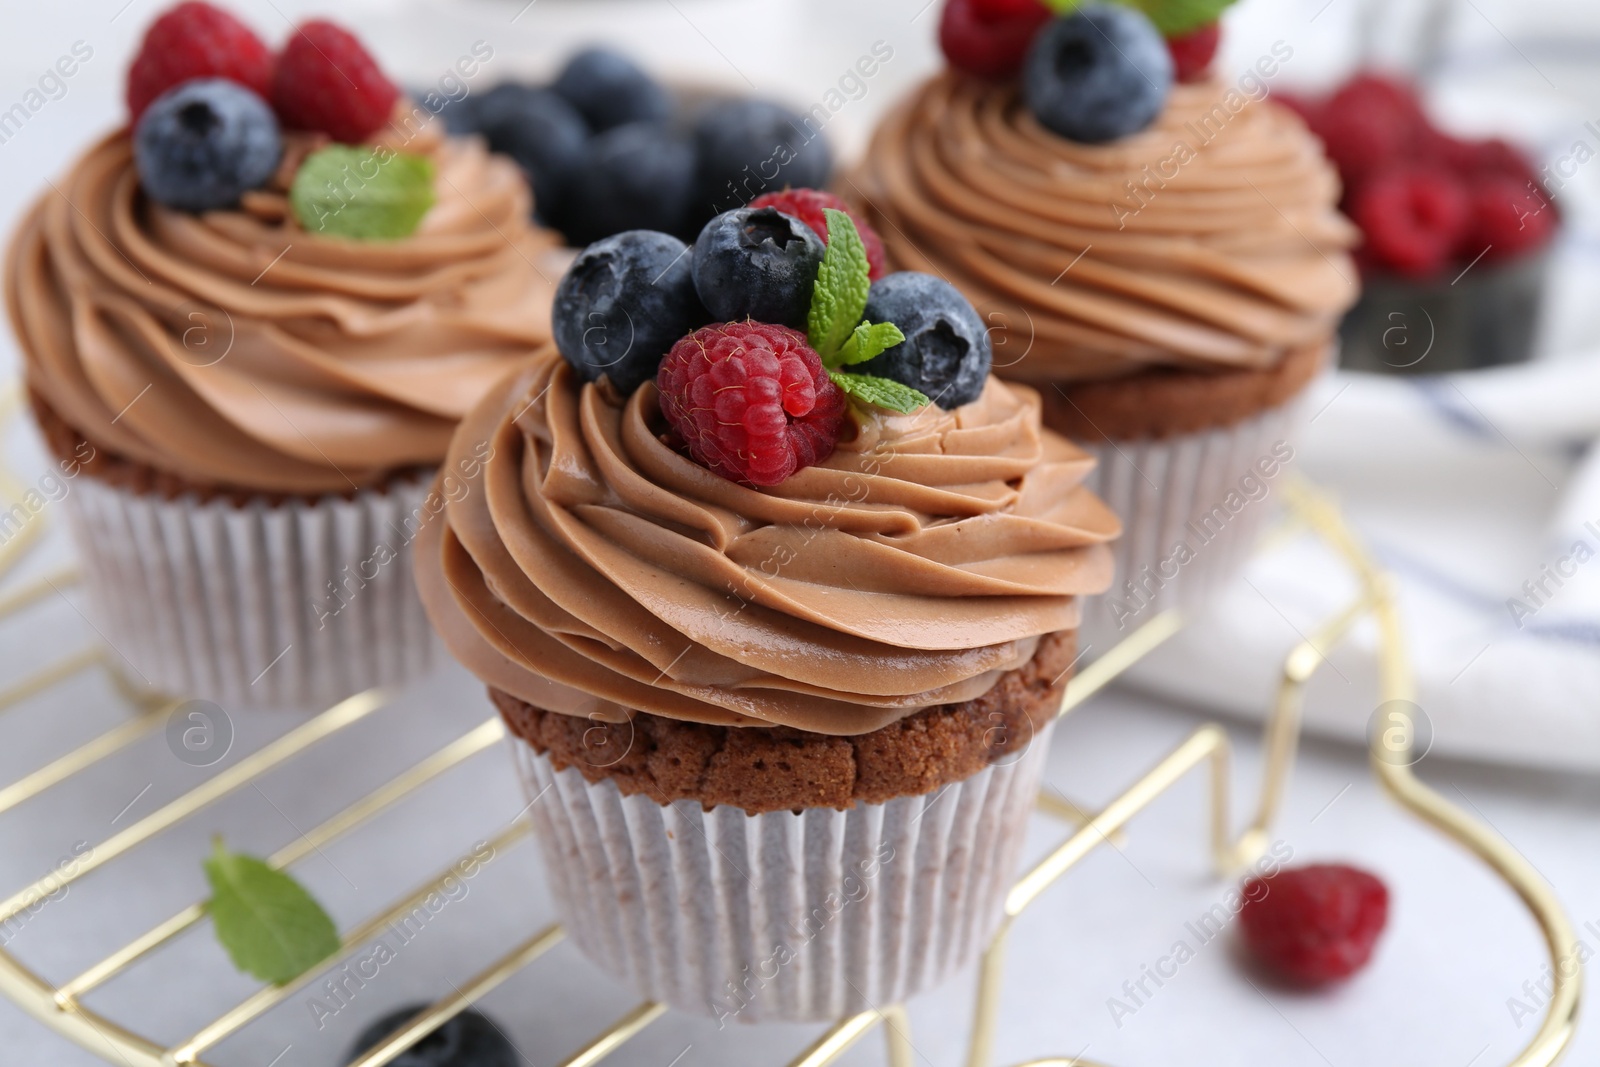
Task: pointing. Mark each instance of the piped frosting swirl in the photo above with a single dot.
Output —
(585, 566)
(236, 349)
(1210, 240)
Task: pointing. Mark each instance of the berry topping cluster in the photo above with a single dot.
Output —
(208, 100)
(1090, 72)
(761, 334)
(1427, 203)
(604, 150)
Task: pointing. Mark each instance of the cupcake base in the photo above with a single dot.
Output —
(1188, 462)
(793, 916)
(759, 874)
(296, 603)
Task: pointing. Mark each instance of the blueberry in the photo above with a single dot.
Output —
(750, 147)
(634, 177)
(946, 352)
(499, 102)
(543, 133)
(757, 263)
(460, 114)
(468, 1040)
(624, 302)
(609, 89)
(204, 143)
(1097, 74)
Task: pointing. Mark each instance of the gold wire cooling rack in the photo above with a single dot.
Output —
(60, 1005)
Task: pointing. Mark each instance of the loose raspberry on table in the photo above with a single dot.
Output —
(807, 206)
(196, 40)
(990, 38)
(751, 401)
(1314, 924)
(1413, 219)
(327, 82)
(1193, 52)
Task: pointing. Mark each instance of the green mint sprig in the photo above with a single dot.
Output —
(366, 193)
(270, 926)
(834, 327)
(1173, 18)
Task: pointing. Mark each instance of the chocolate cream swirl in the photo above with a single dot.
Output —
(1210, 240)
(345, 360)
(585, 566)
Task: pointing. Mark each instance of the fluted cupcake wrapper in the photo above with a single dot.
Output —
(294, 604)
(782, 916)
(1192, 508)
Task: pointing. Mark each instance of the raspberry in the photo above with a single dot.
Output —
(196, 40)
(1193, 52)
(327, 82)
(1314, 924)
(1412, 219)
(807, 204)
(1475, 159)
(999, 10)
(751, 401)
(990, 38)
(1507, 218)
(1370, 123)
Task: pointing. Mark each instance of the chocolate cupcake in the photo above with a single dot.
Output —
(1164, 261)
(779, 641)
(252, 344)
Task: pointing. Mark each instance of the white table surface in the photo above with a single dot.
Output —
(1459, 946)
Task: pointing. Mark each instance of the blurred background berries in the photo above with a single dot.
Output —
(608, 148)
(1426, 201)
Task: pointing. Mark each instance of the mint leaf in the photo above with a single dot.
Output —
(271, 927)
(368, 193)
(1174, 18)
(884, 392)
(840, 295)
(868, 340)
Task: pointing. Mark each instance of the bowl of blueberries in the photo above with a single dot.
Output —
(608, 148)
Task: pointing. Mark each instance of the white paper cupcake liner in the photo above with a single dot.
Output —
(295, 605)
(782, 916)
(1192, 508)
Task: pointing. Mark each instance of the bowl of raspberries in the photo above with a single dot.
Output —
(1456, 233)
(608, 148)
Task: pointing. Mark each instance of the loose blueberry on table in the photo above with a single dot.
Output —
(468, 1040)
